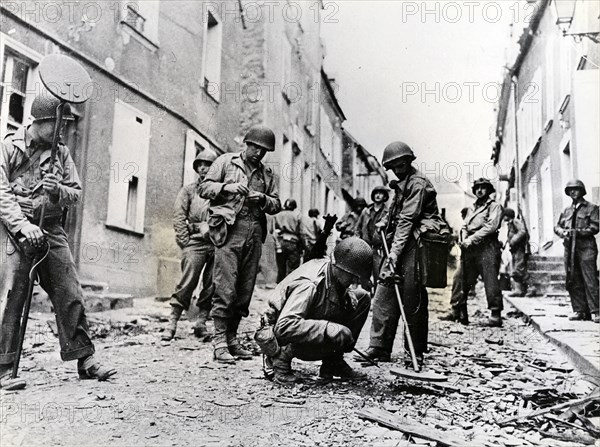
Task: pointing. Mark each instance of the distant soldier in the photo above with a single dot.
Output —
(578, 225)
(480, 256)
(27, 180)
(318, 315)
(414, 211)
(288, 230)
(518, 241)
(367, 226)
(311, 229)
(241, 191)
(348, 225)
(190, 221)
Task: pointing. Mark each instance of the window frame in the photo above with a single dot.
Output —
(215, 94)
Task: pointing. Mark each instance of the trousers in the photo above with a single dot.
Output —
(519, 264)
(584, 284)
(235, 269)
(386, 309)
(288, 260)
(484, 260)
(197, 255)
(58, 277)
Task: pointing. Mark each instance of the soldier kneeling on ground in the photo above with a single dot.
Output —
(317, 313)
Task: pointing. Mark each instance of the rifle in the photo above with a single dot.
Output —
(571, 264)
(320, 248)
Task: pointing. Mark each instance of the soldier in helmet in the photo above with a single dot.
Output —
(241, 190)
(578, 225)
(373, 214)
(518, 242)
(190, 221)
(288, 229)
(318, 315)
(413, 212)
(348, 224)
(480, 256)
(26, 180)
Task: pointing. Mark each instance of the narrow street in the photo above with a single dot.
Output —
(174, 394)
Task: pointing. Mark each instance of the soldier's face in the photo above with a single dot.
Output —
(343, 278)
(401, 167)
(481, 191)
(43, 131)
(202, 168)
(378, 197)
(575, 193)
(254, 153)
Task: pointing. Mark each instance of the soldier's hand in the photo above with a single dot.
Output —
(50, 184)
(33, 234)
(256, 198)
(236, 188)
(465, 244)
(340, 336)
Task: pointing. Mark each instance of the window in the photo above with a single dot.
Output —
(17, 87)
(142, 17)
(286, 68)
(128, 169)
(194, 144)
(336, 156)
(530, 116)
(312, 96)
(326, 136)
(212, 54)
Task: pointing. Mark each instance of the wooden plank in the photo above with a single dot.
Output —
(410, 427)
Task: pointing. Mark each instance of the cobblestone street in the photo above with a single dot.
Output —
(174, 394)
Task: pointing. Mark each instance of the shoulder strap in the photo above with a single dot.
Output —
(25, 166)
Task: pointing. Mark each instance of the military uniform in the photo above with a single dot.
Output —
(518, 240)
(348, 225)
(482, 257)
(190, 221)
(288, 225)
(311, 228)
(413, 211)
(21, 199)
(237, 253)
(368, 231)
(584, 218)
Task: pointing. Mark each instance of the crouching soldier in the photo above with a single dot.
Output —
(27, 179)
(316, 313)
(190, 221)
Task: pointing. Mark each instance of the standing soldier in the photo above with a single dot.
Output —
(311, 230)
(241, 190)
(578, 225)
(367, 226)
(190, 221)
(480, 256)
(348, 225)
(413, 212)
(288, 228)
(26, 181)
(518, 241)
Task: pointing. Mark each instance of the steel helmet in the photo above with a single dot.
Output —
(44, 108)
(354, 256)
(383, 190)
(396, 150)
(483, 182)
(575, 183)
(261, 136)
(206, 155)
(290, 204)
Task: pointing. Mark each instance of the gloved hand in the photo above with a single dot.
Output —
(340, 336)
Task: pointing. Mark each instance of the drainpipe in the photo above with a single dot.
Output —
(513, 82)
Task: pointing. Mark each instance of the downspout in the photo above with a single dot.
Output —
(513, 82)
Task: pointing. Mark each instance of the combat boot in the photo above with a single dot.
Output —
(337, 367)
(282, 366)
(235, 347)
(517, 289)
(174, 316)
(495, 319)
(221, 351)
(200, 329)
(375, 354)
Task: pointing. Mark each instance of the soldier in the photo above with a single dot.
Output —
(288, 230)
(26, 180)
(578, 225)
(348, 225)
(367, 226)
(190, 221)
(480, 256)
(311, 229)
(241, 190)
(316, 313)
(413, 211)
(518, 241)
